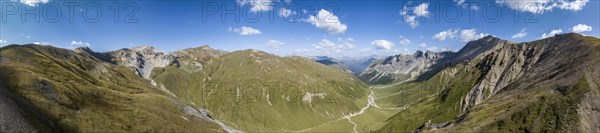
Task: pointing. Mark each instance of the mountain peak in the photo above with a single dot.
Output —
(418, 53)
(83, 49)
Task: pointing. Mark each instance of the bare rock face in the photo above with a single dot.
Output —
(538, 61)
(402, 67)
(589, 112)
(142, 59)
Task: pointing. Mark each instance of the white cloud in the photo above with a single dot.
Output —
(75, 44)
(520, 34)
(283, 12)
(462, 3)
(34, 3)
(541, 6)
(2, 42)
(552, 33)
(411, 21)
(474, 7)
(471, 34)
(418, 11)
(465, 35)
(383, 44)
(421, 10)
(405, 51)
(581, 28)
(245, 30)
(41, 43)
(422, 45)
(327, 21)
(450, 34)
(404, 41)
(327, 46)
(459, 2)
(302, 50)
(257, 5)
(274, 44)
(434, 49)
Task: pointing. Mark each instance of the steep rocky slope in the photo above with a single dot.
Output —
(49, 89)
(402, 67)
(141, 59)
(547, 85)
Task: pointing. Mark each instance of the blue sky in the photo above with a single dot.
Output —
(288, 27)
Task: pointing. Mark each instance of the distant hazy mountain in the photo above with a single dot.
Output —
(332, 63)
(354, 65)
(358, 64)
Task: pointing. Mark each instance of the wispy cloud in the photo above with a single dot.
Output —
(541, 6)
(383, 44)
(551, 33)
(245, 30)
(420, 10)
(464, 36)
(75, 44)
(257, 5)
(326, 46)
(274, 44)
(34, 3)
(520, 34)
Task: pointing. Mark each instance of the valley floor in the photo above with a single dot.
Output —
(370, 117)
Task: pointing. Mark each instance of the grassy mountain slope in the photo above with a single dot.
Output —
(60, 90)
(257, 91)
(541, 86)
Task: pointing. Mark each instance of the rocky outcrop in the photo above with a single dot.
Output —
(142, 59)
(401, 67)
(514, 87)
(543, 60)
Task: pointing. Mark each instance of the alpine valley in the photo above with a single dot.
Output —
(490, 85)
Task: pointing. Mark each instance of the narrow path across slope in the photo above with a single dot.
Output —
(370, 103)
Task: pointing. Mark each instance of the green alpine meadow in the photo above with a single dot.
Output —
(287, 66)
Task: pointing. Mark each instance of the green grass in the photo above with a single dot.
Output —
(437, 99)
(265, 82)
(80, 94)
(550, 113)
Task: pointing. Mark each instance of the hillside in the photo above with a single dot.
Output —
(547, 85)
(49, 89)
(491, 85)
(258, 91)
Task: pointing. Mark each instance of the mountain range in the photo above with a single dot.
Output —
(490, 85)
